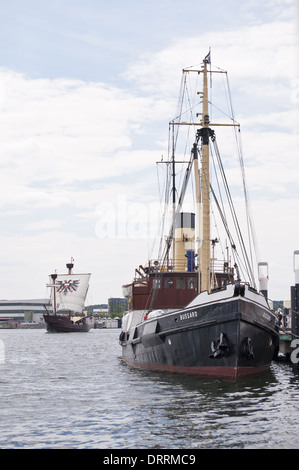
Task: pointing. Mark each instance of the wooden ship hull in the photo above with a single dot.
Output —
(64, 324)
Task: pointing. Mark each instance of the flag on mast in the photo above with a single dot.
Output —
(207, 58)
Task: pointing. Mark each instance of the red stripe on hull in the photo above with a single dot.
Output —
(205, 371)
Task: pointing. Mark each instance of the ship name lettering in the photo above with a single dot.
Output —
(185, 316)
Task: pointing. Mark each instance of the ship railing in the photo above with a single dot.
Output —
(221, 266)
(180, 264)
(184, 264)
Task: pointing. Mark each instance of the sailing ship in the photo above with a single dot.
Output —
(68, 293)
(189, 311)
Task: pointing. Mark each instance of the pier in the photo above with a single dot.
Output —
(290, 332)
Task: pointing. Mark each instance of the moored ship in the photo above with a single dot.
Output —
(190, 312)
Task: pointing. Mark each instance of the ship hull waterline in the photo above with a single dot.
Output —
(63, 324)
(230, 340)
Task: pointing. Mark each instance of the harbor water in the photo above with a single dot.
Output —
(72, 391)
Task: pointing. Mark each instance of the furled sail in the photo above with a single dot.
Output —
(70, 291)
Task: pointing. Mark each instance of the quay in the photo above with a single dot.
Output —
(290, 332)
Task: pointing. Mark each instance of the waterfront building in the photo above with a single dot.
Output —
(30, 310)
(117, 306)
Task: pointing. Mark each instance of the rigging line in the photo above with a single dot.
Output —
(233, 213)
(166, 210)
(228, 96)
(226, 187)
(191, 116)
(235, 220)
(223, 210)
(217, 231)
(151, 248)
(224, 220)
(224, 114)
(247, 199)
(165, 202)
(184, 97)
(246, 195)
(233, 246)
(182, 92)
(218, 184)
(250, 229)
(161, 191)
(181, 96)
(179, 203)
(236, 257)
(192, 102)
(184, 155)
(166, 206)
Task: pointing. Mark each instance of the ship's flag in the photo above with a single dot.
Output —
(207, 58)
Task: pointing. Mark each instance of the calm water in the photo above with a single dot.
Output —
(73, 391)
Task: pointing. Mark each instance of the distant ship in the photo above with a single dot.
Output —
(68, 293)
(190, 312)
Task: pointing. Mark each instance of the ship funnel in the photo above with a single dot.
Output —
(184, 242)
(263, 278)
(296, 266)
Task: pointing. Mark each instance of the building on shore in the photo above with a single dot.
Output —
(31, 310)
(117, 306)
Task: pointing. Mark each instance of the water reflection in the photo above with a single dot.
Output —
(96, 401)
(251, 412)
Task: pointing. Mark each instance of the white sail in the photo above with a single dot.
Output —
(70, 291)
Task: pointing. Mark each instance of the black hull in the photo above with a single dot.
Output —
(229, 339)
(63, 324)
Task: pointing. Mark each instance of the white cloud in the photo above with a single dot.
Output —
(67, 146)
(42, 225)
(69, 130)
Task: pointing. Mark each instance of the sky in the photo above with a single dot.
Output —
(87, 89)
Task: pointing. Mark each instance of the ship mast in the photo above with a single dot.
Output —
(202, 182)
(54, 277)
(204, 191)
(202, 177)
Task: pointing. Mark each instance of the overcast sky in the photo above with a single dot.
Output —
(87, 89)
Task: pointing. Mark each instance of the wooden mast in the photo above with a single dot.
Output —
(202, 178)
(54, 277)
(204, 195)
(70, 267)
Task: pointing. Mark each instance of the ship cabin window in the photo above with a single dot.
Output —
(180, 283)
(168, 282)
(157, 283)
(192, 282)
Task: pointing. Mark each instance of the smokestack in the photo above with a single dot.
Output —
(184, 239)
